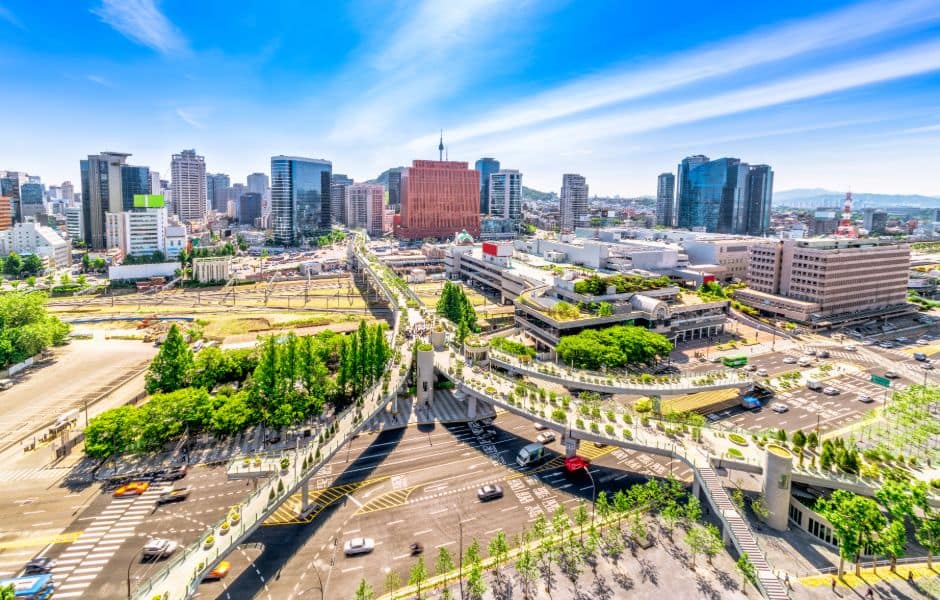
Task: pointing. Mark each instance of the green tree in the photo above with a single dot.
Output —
(613, 347)
(812, 440)
(928, 533)
(527, 568)
(799, 439)
(364, 591)
(746, 569)
(31, 281)
(581, 518)
(64, 279)
(172, 367)
(392, 582)
(602, 505)
(604, 309)
(669, 516)
(472, 555)
(7, 592)
(33, 265)
(113, 431)
(697, 539)
(419, 573)
(86, 262)
(498, 548)
(855, 521)
(12, 265)
(476, 587)
(892, 541)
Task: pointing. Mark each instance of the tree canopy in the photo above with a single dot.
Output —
(172, 368)
(613, 346)
(596, 285)
(26, 329)
(455, 306)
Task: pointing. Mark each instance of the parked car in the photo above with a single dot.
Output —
(177, 495)
(219, 572)
(489, 492)
(541, 427)
(804, 362)
(40, 565)
(901, 339)
(865, 398)
(545, 437)
(357, 546)
(831, 391)
(159, 548)
(778, 407)
(134, 488)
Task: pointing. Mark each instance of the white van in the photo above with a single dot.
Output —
(5, 384)
(814, 385)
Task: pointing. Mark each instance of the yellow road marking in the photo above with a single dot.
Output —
(393, 499)
(59, 538)
(287, 513)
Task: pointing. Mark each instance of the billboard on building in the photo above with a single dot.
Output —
(149, 201)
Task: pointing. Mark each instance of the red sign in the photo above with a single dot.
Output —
(490, 248)
(708, 278)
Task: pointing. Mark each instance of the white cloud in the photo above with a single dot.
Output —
(102, 81)
(142, 22)
(801, 37)
(188, 117)
(910, 61)
(925, 129)
(8, 16)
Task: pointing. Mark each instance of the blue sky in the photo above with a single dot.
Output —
(831, 94)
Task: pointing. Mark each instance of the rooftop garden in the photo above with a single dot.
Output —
(613, 347)
(596, 285)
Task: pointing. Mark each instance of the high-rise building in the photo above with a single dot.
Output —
(6, 212)
(824, 221)
(67, 191)
(188, 183)
(155, 183)
(712, 195)
(258, 183)
(574, 202)
(827, 281)
(875, 221)
(101, 193)
(300, 198)
(249, 208)
(10, 187)
(365, 207)
(216, 194)
(134, 182)
(665, 199)
(31, 201)
(338, 185)
(394, 189)
(486, 167)
(505, 194)
(439, 199)
(760, 191)
(73, 222)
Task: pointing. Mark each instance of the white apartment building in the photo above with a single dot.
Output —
(365, 207)
(73, 222)
(175, 241)
(188, 186)
(574, 202)
(32, 238)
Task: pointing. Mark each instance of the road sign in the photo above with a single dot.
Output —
(882, 381)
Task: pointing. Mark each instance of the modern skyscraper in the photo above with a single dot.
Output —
(10, 187)
(155, 183)
(713, 195)
(249, 208)
(338, 185)
(505, 194)
(486, 166)
(439, 199)
(188, 184)
(665, 200)
(365, 207)
(216, 186)
(31, 201)
(875, 221)
(73, 222)
(258, 183)
(760, 192)
(574, 202)
(101, 193)
(394, 189)
(134, 181)
(300, 198)
(68, 191)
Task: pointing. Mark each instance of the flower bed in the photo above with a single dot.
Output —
(735, 453)
(737, 439)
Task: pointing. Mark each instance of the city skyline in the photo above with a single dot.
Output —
(824, 92)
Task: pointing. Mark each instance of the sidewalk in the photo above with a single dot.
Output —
(445, 409)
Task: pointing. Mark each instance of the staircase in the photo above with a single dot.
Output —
(741, 534)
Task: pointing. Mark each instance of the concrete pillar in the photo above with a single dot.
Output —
(437, 339)
(471, 407)
(425, 378)
(778, 465)
(725, 536)
(695, 487)
(571, 446)
(305, 496)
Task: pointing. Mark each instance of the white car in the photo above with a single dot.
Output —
(865, 398)
(789, 360)
(809, 352)
(831, 391)
(922, 342)
(762, 372)
(891, 375)
(850, 348)
(159, 548)
(777, 407)
(357, 546)
(540, 427)
(545, 437)
(750, 368)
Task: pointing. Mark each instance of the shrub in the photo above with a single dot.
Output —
(643, 405)
(627, 434)
(285, 462)
(579, 423)
(559, 416)
(609, 429)
(737, 439)
(735, 453)
(627, 419)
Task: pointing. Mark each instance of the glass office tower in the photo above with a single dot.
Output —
(486, 166)
(300, 198)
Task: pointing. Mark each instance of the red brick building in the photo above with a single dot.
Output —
(6, 213)
(439, 199)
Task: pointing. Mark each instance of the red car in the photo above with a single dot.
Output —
(576, 463)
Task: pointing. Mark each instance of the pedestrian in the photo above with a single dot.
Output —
(870, 593)
(833, 584)
(786, 580)
(910, 576)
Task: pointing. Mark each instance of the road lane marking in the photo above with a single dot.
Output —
(390, 523)
(61, 538)
(445, 544)
(422, 532)
(510, 508)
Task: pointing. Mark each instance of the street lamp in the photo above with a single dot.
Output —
(587, 469)
(129, 565)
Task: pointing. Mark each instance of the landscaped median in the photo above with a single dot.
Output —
(454, 576)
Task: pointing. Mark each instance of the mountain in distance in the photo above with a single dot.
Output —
(537, 196)
(819, 197)
(383, 177)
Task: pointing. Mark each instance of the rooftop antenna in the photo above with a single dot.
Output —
(440, 147)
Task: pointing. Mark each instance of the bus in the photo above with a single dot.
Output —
(30, 587)
(738, 360)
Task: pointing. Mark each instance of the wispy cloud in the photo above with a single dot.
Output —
(100, 80)
(429, 56)
(141, 21)
(619, 85)
(910, 61)
(925, 129)
(7, 15)
(188, 117)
